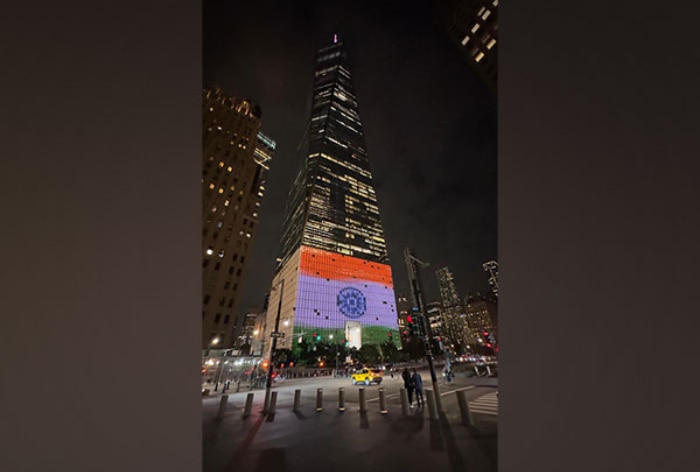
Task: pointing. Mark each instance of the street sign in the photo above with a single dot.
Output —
(276, 334)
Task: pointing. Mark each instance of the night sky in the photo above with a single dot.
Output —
(429, 124)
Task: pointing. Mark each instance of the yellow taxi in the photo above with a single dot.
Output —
(367, 376)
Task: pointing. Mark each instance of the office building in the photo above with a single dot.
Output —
(236, 158)
(333, 274)
(453, 310)
(473, 26)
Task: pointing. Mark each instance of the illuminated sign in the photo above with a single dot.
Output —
(334, 289)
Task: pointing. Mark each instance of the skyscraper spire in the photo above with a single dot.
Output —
(333, 255)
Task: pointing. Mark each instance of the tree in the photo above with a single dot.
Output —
(415, 348)
(370, 354)
(390, 351)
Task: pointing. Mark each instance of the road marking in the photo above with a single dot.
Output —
(457, 390)
(485, 404)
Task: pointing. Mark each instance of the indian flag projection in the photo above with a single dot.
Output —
(340, 296)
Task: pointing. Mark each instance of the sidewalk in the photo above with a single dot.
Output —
(345, 441)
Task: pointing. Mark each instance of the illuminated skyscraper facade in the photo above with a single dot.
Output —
(453, 311)
(333, 270)
(236, 157)
(473, 26)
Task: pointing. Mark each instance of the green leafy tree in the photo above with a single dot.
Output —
(370, 354)
(390, 351)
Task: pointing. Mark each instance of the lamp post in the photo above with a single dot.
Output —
(418, 295)
(274, 335)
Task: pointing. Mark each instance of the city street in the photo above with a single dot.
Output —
(350, 440)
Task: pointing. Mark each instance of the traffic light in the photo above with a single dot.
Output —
(318, 337)
(488, 338)
(390, 335)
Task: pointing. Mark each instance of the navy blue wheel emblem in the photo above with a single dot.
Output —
(351, 302)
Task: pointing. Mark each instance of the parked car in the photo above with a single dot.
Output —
(367, 376)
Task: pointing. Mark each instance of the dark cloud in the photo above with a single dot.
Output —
(430, 125)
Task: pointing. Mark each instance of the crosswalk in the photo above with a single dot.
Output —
(485, 404)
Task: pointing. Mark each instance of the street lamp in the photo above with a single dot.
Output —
(275, 334)
(412, 263)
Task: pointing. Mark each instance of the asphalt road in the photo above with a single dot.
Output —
(309, 386)
(308, 439)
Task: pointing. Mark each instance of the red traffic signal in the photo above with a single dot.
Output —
(409, 319)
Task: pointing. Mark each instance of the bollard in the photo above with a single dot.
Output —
(266, 403)
(476, 369)
(319, 399)
(341, 399)
(273, 403)
(404, 401)
(222, 407)
(464, 408)
(363, 401)
(488, 371)
(430, 398)
(248, 405)
(382, 402)
(238, 386)
(297, 400)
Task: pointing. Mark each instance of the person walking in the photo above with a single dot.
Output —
(408, 383)
(418, 386)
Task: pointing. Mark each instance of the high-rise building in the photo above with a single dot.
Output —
(453, 311)
(333, 274)
(482, 313)
(492, 268)
(473, 26)
(236, 157)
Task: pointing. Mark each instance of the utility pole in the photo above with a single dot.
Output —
(273, 349)
(414, 277)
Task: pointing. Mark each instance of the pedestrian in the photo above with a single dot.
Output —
(408, 383)
(418, 386)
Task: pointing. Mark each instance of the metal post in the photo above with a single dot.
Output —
(382, 402)
(297, 399)
(464, 408)
(424, 326)
(273, 403)
(363, 401)
(430, 398)
(248, 405)
(404, 401)
(341, 399)
(271, 367)
(488, 371)
(319, 399)
(222, 406)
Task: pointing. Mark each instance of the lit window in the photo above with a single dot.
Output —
(479, 57)
(481, 11)
(475, 28)
(210, 251)
(221, 190)
(491, 43)
(486, 14)
(229, 168)
(227, 202)
(495, 3)
(211, 186)
(221, 163)
(465, 40)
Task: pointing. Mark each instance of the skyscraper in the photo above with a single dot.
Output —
(453, 311)
(473, 26)
(236, 156)
(333, 273)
